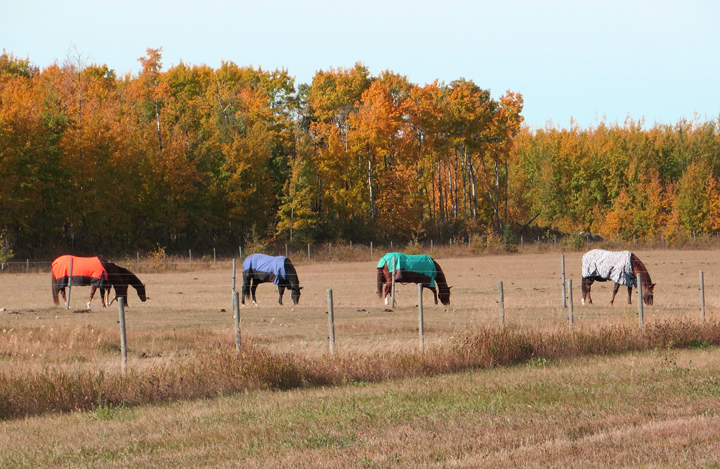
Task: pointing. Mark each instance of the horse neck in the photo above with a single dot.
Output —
(639, 268)
(440, 277)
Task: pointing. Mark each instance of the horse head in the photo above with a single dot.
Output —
(444, 294)
(295, 294)
(140, 288)
(648, 294)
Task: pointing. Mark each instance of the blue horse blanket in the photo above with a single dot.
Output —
(421, 264)
(615, 266)
(267, 264)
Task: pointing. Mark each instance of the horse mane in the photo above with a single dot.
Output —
(291, 274)
(639, 268)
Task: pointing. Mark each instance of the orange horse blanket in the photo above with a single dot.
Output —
(85, 271)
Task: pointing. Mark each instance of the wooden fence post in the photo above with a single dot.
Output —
(331, 321)
(702, 296)
(69, 286)
(570, 298)
(641, 312)
(234, 271)
(501, 304)
(564, 293)
(123, 337)
(236, 316)
(393, 282)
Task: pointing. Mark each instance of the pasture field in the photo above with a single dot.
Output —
(579, 412)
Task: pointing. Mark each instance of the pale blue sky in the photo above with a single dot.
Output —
(654, 60)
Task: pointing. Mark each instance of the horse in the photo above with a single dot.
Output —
(86, 271)
(96, 272)
(261, 268)
(421, 269)
(621, 267)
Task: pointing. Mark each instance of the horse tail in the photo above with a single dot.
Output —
(55, 291)
(380, 281)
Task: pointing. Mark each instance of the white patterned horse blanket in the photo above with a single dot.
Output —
(615, 266)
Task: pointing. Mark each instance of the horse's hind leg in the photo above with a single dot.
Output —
(281, 292)
(615, 290)
(245, 290)
(586, 283)
(92, 293)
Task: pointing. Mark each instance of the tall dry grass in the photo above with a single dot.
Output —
(221, 370)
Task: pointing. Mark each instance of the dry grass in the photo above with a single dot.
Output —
(181, 330)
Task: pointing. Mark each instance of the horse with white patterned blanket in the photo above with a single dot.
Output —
(409, 268)
(620, 267)
(261, 268)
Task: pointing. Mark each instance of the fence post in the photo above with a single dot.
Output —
(286, 250)
(190, 253)
(69, 286)
(570, 302)
(641, 312)
(501, 304)
(393, 281)
(123, 337)
(421, 322)
(214, 257)
(371, 250)
(702, 296)
(138, 261)
(308, 251)
(236, 316)
(564, 293)
(331, 319)
(234, 271)
(27, 266)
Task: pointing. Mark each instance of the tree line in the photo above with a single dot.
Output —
(92, 162)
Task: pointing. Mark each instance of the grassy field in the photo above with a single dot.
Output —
(655, 408)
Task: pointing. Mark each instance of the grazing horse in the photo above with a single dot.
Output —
(620, 267)
(261, 268)
(420, 269)
(85, 271)
(96, 272)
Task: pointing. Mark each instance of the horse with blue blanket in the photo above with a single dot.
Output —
(621, 267)
(409, 268)
(261, 268)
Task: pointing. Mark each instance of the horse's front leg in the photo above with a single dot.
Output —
(629, 295)
(281, 292)
(432, 289)
(616, 286)
(102, 297)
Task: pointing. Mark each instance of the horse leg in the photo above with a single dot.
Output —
(388, 291)
(586, 283)
(252, 291)
(629, 295)
(432, 289)
(92, 293)
(615, 290)
(245, 290)
(281, 292)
